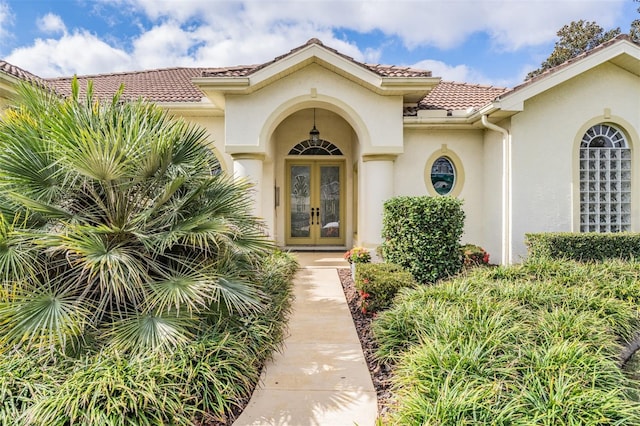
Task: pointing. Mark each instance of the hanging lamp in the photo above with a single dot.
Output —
(314, 134)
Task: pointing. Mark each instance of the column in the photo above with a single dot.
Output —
(376, 181)
(248, 166)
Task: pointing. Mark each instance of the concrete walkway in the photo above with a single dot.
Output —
(321, 377)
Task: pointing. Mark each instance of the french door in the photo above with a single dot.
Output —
(315, 202)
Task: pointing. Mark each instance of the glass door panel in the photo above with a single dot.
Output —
(300, 201)
(314, 205)
(330, 202)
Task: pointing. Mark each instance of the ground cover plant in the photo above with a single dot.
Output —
(136, 287)
(537, 343)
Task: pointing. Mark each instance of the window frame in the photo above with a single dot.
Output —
(632, 138)
(604, 146)
(458, 170)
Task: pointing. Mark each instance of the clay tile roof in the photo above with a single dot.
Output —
(396, 71)
(448, 95)
(239, 71)
(163, 85)
(381, 70)
(19, 73)
(175, 84)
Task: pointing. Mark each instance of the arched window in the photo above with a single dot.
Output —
(319, 147)
(605, 180)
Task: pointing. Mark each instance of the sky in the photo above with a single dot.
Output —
(494, 42)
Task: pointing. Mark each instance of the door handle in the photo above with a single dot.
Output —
(315, 211)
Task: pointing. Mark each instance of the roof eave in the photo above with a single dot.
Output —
(412, 89)
(622, 52)
(193, 108)
(222, 84)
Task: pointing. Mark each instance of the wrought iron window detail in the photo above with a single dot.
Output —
(605, 180)
(319, 147)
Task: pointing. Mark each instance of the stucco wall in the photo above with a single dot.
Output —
(215, 130)
(374, 118)
(545, 147)
(411, 170)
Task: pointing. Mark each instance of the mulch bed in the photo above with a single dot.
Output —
(380, 373)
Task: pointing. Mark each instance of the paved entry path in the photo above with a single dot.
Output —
(321, 377)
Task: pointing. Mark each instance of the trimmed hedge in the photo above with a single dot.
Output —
(591, 246)
(378, 284)
(422, 234)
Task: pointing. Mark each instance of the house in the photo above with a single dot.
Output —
(327, 139)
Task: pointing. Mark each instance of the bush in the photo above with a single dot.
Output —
(358, 255)
(422, 234)
(473, 255)
(584, 247)
(378, 284)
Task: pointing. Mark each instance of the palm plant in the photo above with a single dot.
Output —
(114, 230)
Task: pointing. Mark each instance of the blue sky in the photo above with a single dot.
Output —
(494, 42)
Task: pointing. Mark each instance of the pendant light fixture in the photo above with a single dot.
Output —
(314, 134)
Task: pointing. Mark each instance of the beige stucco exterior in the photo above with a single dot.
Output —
(516, 158)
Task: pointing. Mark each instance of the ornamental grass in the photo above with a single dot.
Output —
(537, 343)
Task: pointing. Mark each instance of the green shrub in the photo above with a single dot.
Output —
(378, 284)
(422, 234)
(590, 246)
(474, 255)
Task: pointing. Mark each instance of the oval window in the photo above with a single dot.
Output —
(443, 175)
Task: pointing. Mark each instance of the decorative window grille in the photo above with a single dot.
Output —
(319, 147)
(605, 180)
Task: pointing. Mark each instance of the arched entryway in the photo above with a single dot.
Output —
(316, 150)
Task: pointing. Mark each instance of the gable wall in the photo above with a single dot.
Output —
(375, 118)
(545, 149)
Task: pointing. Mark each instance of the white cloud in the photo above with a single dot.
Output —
(458, 73)
(5, 22)
(233, 32)
(77, 53)
(162, 46)
(441, 23)
(52, 24)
